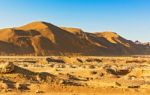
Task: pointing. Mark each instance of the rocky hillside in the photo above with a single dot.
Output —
(41, 38)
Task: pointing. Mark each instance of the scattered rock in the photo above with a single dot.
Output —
(54, 60)
(118, 71)
(91, 67)
(38, 91)
(79, 60)
(18, 86)
(6, 67)
(93, 60)
(118, 84)
(132, 77)
(134, 86)
(93, 72)
(4, 86)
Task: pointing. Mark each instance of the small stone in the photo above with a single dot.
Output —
(38, 91)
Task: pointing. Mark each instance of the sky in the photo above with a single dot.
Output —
(129, 18)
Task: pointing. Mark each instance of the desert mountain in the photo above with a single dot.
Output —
(42, 38)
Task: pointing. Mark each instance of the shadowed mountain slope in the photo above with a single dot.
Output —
(41, 38)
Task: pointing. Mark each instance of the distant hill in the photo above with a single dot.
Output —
(42, 38)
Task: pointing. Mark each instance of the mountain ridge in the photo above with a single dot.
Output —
(42, 38)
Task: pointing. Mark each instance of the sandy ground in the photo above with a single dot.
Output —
(80, 75)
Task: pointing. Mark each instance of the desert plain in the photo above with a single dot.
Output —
(79, 75)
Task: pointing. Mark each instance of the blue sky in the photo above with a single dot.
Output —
(129, 18)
